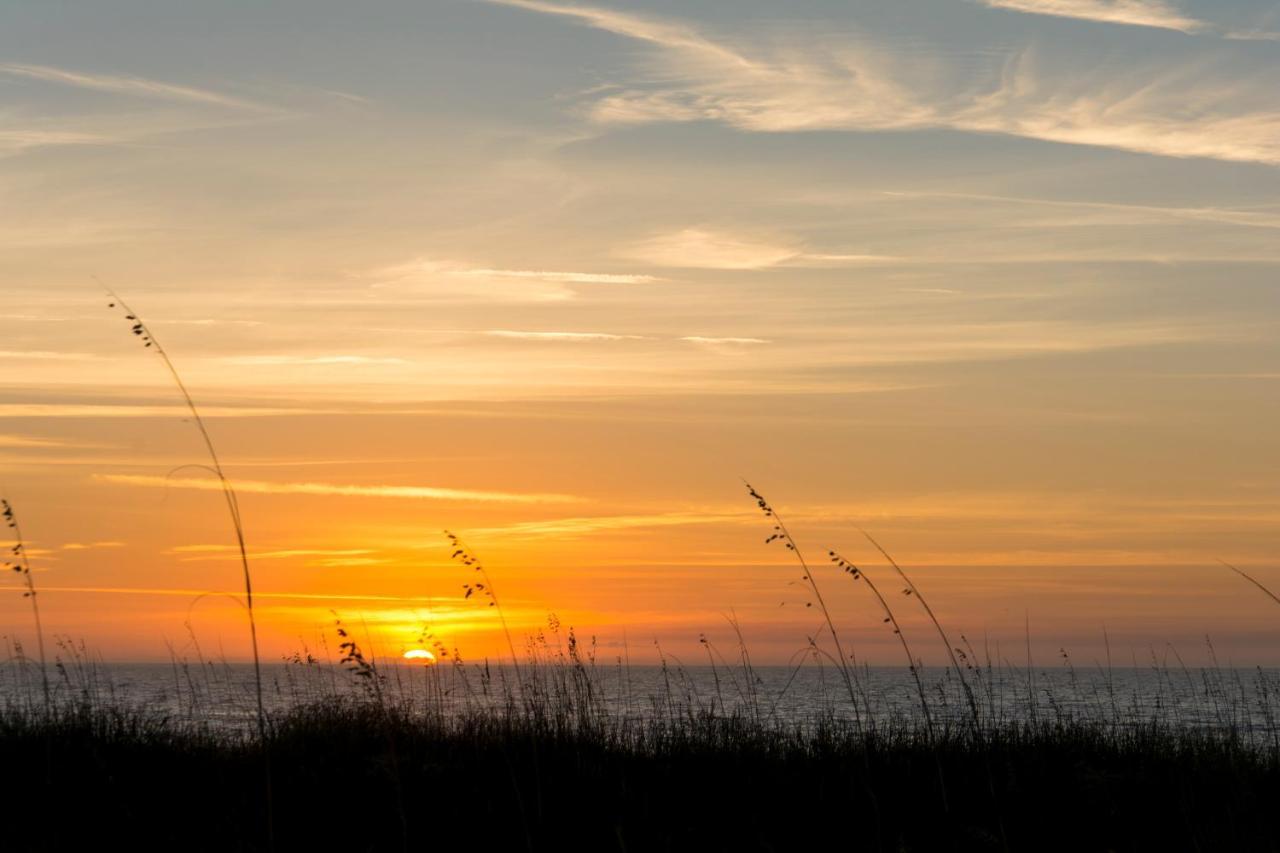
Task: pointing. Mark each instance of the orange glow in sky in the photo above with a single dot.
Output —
(561, 291)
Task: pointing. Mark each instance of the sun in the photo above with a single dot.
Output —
(420, 654)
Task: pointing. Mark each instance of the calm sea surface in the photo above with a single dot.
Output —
(223, 694)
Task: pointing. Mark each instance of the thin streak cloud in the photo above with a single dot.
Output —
(700, 339)
(705, 249)
(1139, 13)
(330, 489)
(572, 527)
(17, 140)
(579, 337)
(699, 248)
(128, 85)
(43, 355)
(303, 361)
(419, 267)
(195, 593)
(457, 281)
(564, 277)
(1217, 215)
(198, 553)
(34, 442)
(93, 410)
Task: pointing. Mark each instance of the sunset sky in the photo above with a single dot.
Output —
(995, 280)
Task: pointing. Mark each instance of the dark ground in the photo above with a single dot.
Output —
(348, 779)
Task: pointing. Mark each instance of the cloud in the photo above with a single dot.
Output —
(699, 248)
(106, 410)
(209, 321)
(195, 593)
(699, 339)
(955, 342)
(25, 441)
(218, 552)
(703, 249)
(1162, 106)
(15, 141)
(636, 27)
(452, 279)
(1137, 214)
(571, 527)
(577, 337)
(407, 492)
(1251, 35)
(44, 355)
(108, 128)
(126, 85)
(87, 546)
(301, 360)
(565, 277)
(1140, 13)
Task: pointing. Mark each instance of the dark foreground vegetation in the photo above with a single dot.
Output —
(349, 775)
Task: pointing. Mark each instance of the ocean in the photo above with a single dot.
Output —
(1246, 701)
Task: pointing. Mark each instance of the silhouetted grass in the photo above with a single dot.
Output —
(139, 329)
(362, 775)
(18, 561)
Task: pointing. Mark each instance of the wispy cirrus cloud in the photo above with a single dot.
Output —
(199, 553)
(560, 276)
(697, 247)
(434, 267)
(18, 140)
(35, 442)
(261, 487)
(1114, 211)
(210, 321)
(125, 410)
(1252, 35)
(571, 337)
(451, 279)
(779, 83)
(1139, 13)
(702, 248)
(310, 360)
(700, 339)
(584, 526)
(195, 593)
(20, 134)
(129, 85)
(43, 355)
(637, 27)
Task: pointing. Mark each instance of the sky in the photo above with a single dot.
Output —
(992, 280)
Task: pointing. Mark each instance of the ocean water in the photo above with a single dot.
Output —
(1246, 701)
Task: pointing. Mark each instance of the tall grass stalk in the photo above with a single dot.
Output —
(1251, 579)
(781, 534)
(857, 574)
(946, 641)
(22, 565)
(140, 330)
(467, 557)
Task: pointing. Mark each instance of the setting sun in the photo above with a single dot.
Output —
(420, 654)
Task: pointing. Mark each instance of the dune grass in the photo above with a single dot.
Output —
(363, 771)
(139, 329)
